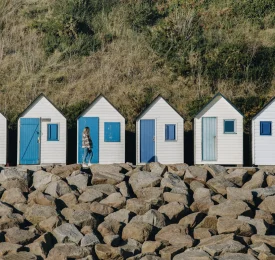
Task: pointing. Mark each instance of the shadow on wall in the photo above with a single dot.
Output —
(71, 145)
(12, 147)
(130, 147)
(189, 147)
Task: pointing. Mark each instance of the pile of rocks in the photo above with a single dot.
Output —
(147, 212)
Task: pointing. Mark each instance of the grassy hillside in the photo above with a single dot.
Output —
(132, 50)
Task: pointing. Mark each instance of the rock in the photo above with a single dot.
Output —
(227, 225)
(169, 252)
(266, 256)
(260, 248)
(68, 251)
(171, 181)
(38, 213)
(115, 200)
(106, 189)
(90, 195)
(218, 198)
(153, 195)
(208, 222)
(13, 196)
(262, 193)
(19, 236)
(137, 230)
(13, 174)
(49, 224)
(140, 180)
(124, 189)
(131, 248)
(90, 240)
(138, 206)
(57, 188)
(230, 209)
(11, 220)
(107, 178)
(259, 224)
(147, 256)
(195, 173)
(156, 168)
(112, 240)
(202, 233)
(266, 216)
(219, 184)
(110, 227)
(109, 168)
(37, 197)
(79, 218)
(106, 252)
(14, 183)
(238, 177)
(178, 169)
(170, 231)
(122, 215)
(192, 219)
(230, 246)
(202, 200)
(256, 181)
(268, 204)
(193, 255)
(184, 241)
(66, 170)
(69, 199)
(67, 233)
(5, 209)
(101, 209)
(176, 197)
(195, 185)
(259, 239)
(7, 248)
(80, 181)
(153, 246)
(174, 210)
(42, 179)
(234, 194)
(237, 256)
(216, 240)
(270, 180)
(215, 170)
(20, 255)
(152, 217)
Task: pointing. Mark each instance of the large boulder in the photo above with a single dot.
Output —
(106, 189)
(90, 195)
(259, 239)
(171, 181)
(14, 173)
(238, 177)
(19, 236)
(237, 256)
(66, 170)
(79, 180)
(41, 180)
(195, 173)
(215, 170)
(14, 183)
(100, 209)
(37, 213)
(169, 252)
(155, 167)
(20, 255)
(13, 196)
(192, 219)
(219, 184)
(5, 209)
(67, 233)
(230, 209)
(260, 226)
(122, 215)
(193, 255)
(138, 206)
(256, 181)
(68, 251)
(139, 231)
(202, 200)
(115, 200)
(234, 194)
(268, 204)
(174, 210)
(89, 240)
(170, 231)
(106, 252)
(37, 197)
(57, 188)
(110, 227)
(107, 177)
(152, 195)
(7, 248)
(12, 220)
(176, 197)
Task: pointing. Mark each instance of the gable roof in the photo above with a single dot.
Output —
(264, 107)
(95, 100)
(3, 115)
(38, 97)
(219, 95)
(158, 97)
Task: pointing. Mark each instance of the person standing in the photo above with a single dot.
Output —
(87, 145)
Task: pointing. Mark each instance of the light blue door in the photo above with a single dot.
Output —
(209, 131)
(29, 141)
(147, 141)
(93, 124)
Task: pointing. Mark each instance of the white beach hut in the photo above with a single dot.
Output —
(42, 134)
(218, 133)
(159, 134)
(263, 137)
(107, 131)
(3, 140)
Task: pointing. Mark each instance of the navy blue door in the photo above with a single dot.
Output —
(147, 141)
(209, 138)
(93, 124)
(29, 141)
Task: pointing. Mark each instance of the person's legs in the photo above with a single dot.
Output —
(85, 154)
(90, 157)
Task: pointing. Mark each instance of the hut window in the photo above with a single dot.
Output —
(265, 128)
(229, 126)
(170, 132)
(112, 132)
(52, 132)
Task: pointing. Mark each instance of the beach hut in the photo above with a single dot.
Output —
(3, 140)
(218, 133)
(263, 137)
(159, 134)
(107, 131)
(42, 134)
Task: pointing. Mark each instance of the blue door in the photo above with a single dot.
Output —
(29, 141)
(147, 141)
(209, 129)
(93, 124)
